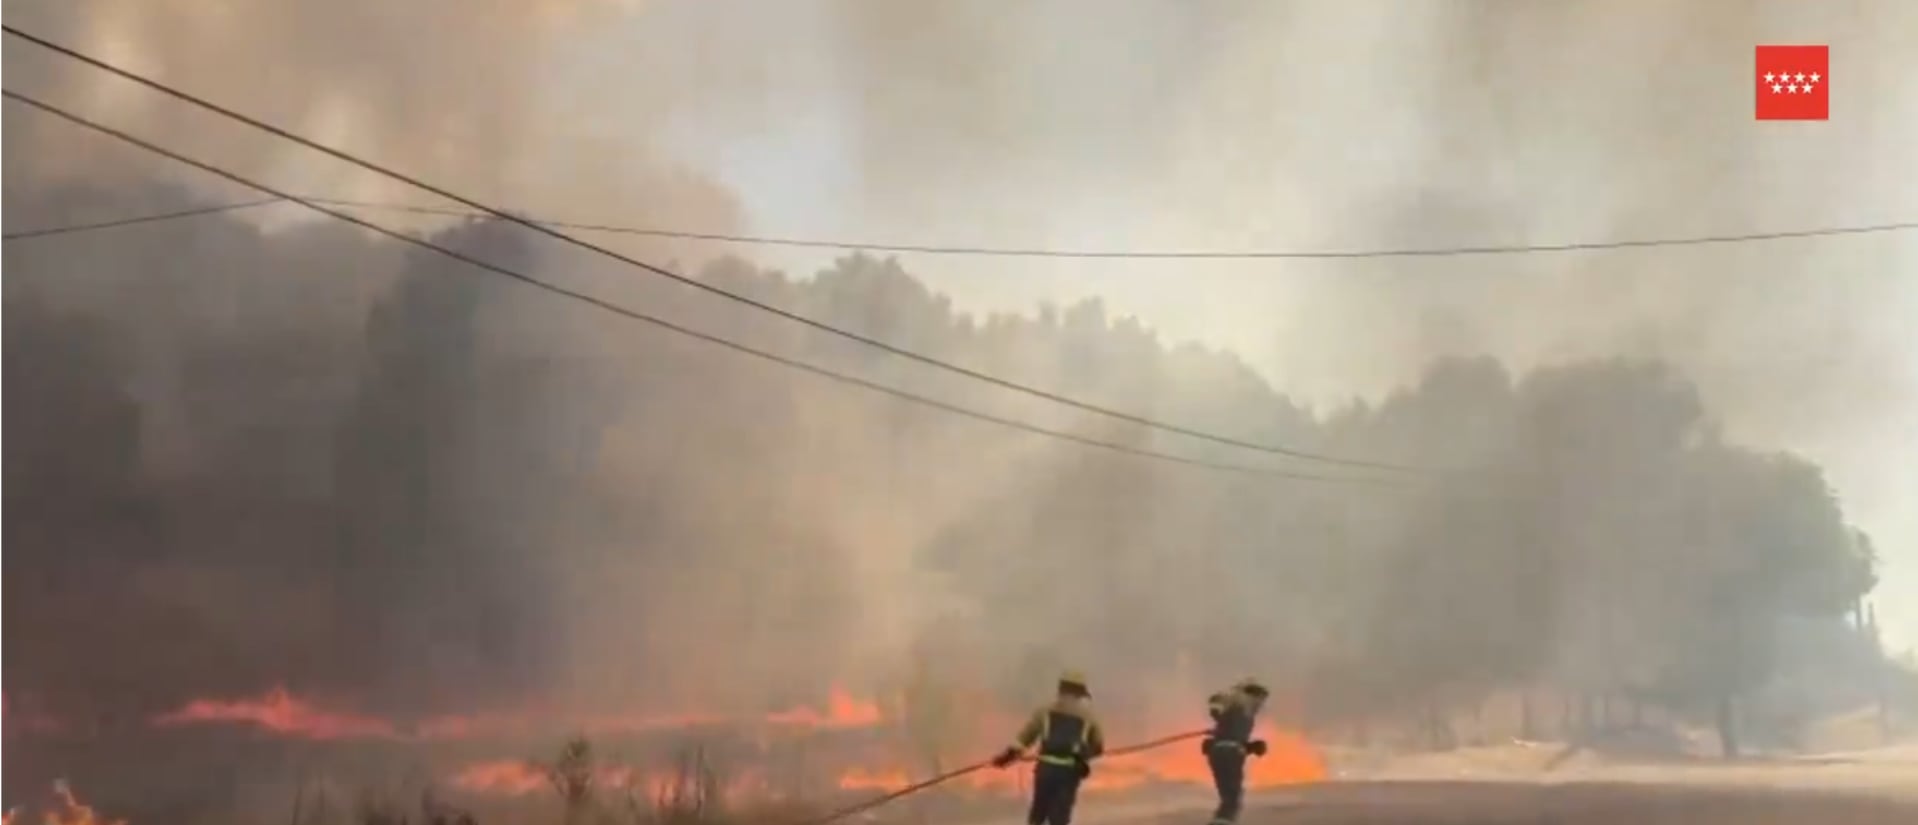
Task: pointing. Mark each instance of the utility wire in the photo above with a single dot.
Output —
(620, 229)
(695, 283)
(153, 218)
(1015, 252)
(1194, 254)
(670, 326)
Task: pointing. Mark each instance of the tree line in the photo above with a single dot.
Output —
(239, 457)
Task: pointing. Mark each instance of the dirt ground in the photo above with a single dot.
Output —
(1517, 803)
(1540, 784)
(1500, 788)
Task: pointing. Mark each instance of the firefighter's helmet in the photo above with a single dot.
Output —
(1251, 686)
(1073, 681)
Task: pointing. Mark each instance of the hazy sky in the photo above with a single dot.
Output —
(1208, 124)
(1365, 124)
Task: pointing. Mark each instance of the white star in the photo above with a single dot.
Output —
(1775, 88)
(1791, 90)
(1801, 78)
(1814, 77)
(1768, 77)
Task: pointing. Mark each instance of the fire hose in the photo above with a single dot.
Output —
(948, 776)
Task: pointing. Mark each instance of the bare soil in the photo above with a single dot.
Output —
(1847, 789)
(1495, 803)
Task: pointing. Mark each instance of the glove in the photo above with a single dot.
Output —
(1083, 766)
(1255, 747)
(1006, 757)
(1205, 745)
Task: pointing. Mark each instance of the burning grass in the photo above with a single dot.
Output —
(771, 768)
(65, 809)
(690, 790)
(279, 712)
(694, 787)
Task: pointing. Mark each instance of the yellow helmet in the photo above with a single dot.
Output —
(1074, 679)
(1252, 686)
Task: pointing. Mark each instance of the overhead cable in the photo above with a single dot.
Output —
(894, 349)
(689, 332)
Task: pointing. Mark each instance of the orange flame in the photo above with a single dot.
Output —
(1290, 760)
(278, 711)
(70, 810)
(842, 711)
(282, 713)
(511, 777)
(861, 779)
(506, 777)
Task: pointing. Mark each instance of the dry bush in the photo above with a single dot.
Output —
(693, 794)
(572, 777)
(378, 809)
(372, 809)
(435, 812)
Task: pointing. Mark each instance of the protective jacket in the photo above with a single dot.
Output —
(1233, 718)
(1234, 714)
(1064, 732)
(1067, 739)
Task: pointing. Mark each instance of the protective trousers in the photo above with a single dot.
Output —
(1054, 790)
(1228, 776)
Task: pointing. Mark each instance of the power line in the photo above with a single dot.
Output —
(695, 283)
(1197, 254)
(620, 229)
(670, 326)
(153, 218)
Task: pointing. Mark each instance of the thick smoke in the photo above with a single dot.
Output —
(1433, 124)
(461, 96)
(295, 454)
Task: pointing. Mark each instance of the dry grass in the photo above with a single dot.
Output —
(693, 793)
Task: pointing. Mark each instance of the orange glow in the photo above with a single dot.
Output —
(513, 777)
(279, 712)
(663, 787)
(69, 810)
(506, 777)
(1008, 782)
(1290, 760)
(843, 710)
(860, 779)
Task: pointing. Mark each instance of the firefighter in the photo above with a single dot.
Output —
(1234, 713)
(1067, 739)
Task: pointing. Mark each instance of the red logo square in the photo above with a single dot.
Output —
(1794, 82)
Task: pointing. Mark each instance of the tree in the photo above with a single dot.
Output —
(572, 775)
(1772, 545)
